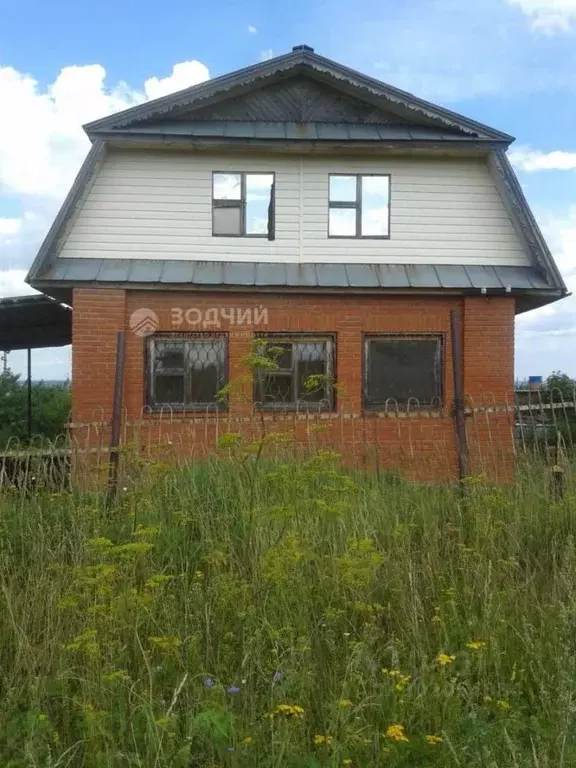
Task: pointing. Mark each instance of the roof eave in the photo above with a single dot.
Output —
(47, 252)
(218, 142)
(524, 220)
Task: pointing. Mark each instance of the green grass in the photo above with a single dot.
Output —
(170, 630)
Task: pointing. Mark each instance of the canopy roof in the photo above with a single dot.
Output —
(32, 322)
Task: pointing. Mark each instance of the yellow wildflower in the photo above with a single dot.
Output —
(396, 733)
(477, 645)
(444, 659)
(400, 680)
(247, 740)
(503, 705)
(322, 739)
(344, 703)
(287, 710)
(433, 740)
(347, 761)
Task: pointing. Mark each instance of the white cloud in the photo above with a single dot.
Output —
(9, 228)
(183, 75)
(12, 283)
(528, 159)
(42, 143)
(252, 30)
(548, 16)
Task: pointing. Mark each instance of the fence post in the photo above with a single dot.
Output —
(116, 417)
(459, 413)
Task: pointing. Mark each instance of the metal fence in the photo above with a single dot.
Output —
(418, 441)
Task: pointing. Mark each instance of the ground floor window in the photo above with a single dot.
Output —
(295, 372)
(186, 371)
(403, 370)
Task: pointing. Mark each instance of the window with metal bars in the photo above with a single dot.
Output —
(243, 205)
(297, 372)
(403, 370)
(359, 205)
(186, 371)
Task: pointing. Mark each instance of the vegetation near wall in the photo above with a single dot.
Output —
(50, 408)
(243, 612)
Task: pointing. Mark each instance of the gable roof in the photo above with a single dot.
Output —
(337, 104)
(262, 83)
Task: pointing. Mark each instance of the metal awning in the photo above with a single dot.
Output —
(34, 322)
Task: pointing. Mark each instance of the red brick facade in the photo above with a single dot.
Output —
(423, 445)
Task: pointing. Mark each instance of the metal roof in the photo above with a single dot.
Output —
(157, 121)
(32, 322)
(301, 60)
(310, 131)
(158, 274)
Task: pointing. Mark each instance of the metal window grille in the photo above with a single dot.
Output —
(243, 204)
(359, 206)
(186, 371)
(403, 371)
(299, 373)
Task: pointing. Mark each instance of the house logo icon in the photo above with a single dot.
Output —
(144, 322)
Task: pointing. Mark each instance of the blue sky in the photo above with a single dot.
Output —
(508, 63)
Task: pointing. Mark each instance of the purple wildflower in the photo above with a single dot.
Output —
(277, 677)
(208, 682)
(233, 690)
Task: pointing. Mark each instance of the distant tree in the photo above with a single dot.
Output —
(50, 408)
(559, 384)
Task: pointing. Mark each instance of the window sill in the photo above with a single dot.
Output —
(294, 408)
(358, 237)
(167, 410)
(248, 237)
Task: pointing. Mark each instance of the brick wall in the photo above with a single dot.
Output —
(423, 447)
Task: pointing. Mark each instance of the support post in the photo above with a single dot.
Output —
(116, 425)
(459, 413)
(29, 394)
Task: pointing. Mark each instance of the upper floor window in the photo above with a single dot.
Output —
(186, 371)
(404, 371)
(243, 205)
(359, 206)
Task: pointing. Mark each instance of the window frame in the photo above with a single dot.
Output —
(295, 338)
(242, 202)
(436, 403)
(357, 206)
(149, 372)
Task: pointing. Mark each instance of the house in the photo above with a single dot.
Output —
(329, 214)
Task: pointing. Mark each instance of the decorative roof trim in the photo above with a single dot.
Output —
(49, 249)
(301, 61)
(523, 218)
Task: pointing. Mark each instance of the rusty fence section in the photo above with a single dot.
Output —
(535, 429)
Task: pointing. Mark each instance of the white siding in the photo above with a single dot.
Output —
(157, 205)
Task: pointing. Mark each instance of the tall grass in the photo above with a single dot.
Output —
(253, 613)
